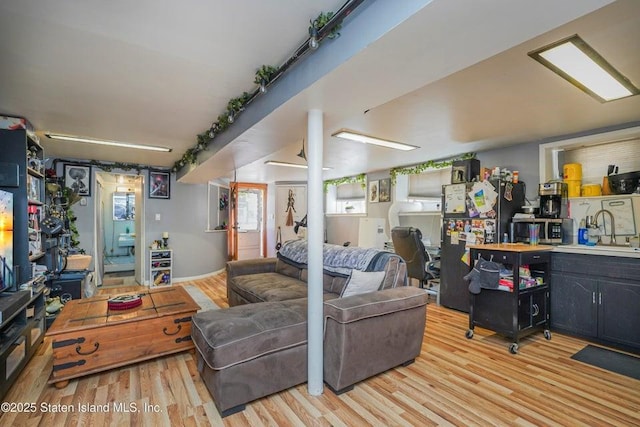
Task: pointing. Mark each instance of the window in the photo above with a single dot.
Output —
(249, 209)
(428, 185)
(346, 199)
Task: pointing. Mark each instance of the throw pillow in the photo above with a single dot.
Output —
(361, 282)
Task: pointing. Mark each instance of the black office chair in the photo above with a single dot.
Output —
(407, 242)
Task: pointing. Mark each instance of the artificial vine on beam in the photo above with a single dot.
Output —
(362, 179)
(263, 76)
(431, 164)
(322, 20)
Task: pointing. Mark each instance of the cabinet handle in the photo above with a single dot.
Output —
(593, 297)
(600, 298)
(166, 331)
(536, 309)
(96, 346)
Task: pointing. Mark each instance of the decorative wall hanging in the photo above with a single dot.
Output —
(384, 191)
(78, 179)
(159, 185)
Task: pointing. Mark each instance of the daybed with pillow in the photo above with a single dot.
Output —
(373, 322)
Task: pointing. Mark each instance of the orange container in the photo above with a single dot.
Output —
(606, 189)
(573, 187)
(590, 190)
(572, 172)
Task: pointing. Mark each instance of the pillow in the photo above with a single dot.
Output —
(361, 282)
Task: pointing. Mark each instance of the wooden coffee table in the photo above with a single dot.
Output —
(87, 337)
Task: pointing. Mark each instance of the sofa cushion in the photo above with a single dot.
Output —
(360, 282)
(287, 269)
(362, 306)
(235, 335)
(269, 287)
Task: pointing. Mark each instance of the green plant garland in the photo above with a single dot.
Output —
(322, 20)
(431, 164)
(361, 178)
(264, 74)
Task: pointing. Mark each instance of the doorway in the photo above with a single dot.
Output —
(119, 215)
(247, 235)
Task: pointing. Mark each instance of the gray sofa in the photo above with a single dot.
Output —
(258, 346)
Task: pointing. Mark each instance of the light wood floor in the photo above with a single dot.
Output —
(454, 382)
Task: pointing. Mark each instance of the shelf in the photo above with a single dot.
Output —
(36, 256)
(35, 173)
(35, 202)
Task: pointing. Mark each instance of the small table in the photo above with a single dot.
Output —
(87, 337)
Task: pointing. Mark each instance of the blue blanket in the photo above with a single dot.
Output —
(336, 258)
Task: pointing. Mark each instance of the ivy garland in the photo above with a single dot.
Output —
(321, 21)
(431, 164)
(361, 178)
(263, 76)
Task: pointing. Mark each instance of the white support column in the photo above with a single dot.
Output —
(315, 239)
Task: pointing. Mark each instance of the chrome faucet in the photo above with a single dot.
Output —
(613, 224)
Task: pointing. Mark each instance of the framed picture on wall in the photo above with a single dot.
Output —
(78, 179)
(374, 191)
(159, 185)
(384, 191)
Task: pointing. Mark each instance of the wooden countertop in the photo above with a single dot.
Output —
(512, 247)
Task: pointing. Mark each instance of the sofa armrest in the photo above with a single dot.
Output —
(362, 306)
(250, 266)
(367, 334)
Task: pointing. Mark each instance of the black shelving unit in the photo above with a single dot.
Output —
(21, 332)
(20, 152)
(524, 309)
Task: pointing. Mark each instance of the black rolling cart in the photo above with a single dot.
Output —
(519, 310)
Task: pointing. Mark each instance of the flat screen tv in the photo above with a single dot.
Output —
(6, 241)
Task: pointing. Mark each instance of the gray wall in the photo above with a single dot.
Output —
(184, 216)
(524, 158)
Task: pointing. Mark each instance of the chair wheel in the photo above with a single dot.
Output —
(513, 348)
(547, 334)
(469, 334)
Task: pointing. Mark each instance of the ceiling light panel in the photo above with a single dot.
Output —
(366, 139)
(577, 62)
(290, 165)
(73, 138)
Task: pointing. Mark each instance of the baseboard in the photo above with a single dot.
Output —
(188, 279)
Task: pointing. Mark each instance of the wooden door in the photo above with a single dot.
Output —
(247, 221)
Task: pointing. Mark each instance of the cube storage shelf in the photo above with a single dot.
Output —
(160, 267)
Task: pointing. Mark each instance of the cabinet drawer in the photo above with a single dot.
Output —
(501, 257)
(534, 257)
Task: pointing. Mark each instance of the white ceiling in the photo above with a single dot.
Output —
(454, 77)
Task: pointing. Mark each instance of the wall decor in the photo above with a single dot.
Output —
(159, 185)
(374, 191)
(291, 207)
(384, 191)
(78, 179)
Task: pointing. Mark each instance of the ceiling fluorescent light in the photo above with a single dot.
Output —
(577, 62)
(358, 137)
(289, 165)
(106, 142)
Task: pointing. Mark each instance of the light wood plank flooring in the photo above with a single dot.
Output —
(454, 382)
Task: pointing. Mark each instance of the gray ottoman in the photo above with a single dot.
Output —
(251, 351)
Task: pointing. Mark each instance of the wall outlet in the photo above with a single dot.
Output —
(157, 217)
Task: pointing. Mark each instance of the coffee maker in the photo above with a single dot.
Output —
(553, 199)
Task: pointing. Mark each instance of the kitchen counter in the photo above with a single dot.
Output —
(512, 247)
(619, 251)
